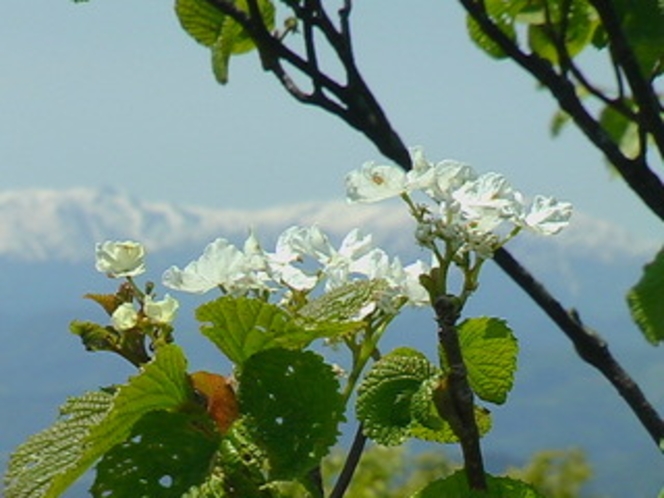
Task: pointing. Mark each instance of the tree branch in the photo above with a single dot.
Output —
(636, 173)
(589, 345)
(352, 460)
(461, 395)
(642, 90)
(355, 103)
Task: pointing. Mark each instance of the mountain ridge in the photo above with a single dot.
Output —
(47, 224)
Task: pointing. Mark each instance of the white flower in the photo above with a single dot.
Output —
(120, 259)
(221, 265)
(374, 182)
(374, 264)
(162, 311)
(339, 264)
(254, 254)
(292, 245)
(488, 201)
(124, 317)
(422, 176)
(402, 281)
(411, 287)
(449, 176)
(547, 216)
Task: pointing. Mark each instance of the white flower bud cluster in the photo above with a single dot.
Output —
(470, 212)
(127, 259)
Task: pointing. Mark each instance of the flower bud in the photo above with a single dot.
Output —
(124, 317)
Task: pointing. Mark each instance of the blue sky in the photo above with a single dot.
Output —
(113, 92)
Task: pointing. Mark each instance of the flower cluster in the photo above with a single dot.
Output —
(470, 212)
(303, 258)
(127, 259)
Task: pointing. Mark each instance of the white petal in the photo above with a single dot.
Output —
(373, 182)
(162, 311)
(547, 216)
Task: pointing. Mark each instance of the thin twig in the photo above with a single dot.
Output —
(352, 460)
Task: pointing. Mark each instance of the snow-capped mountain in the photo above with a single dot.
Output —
(64, 225)
(40, 224)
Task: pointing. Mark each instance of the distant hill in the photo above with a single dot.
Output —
(46, 255)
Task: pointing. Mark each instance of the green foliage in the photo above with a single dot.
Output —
(239, 470)
(213, 487)
(94, 424)
(456, 486)
(396, 401)
(623, 131)
(503, 13)
(555, 473)
(201, 20)
(384, 402)
(552, 24)
(343, 304)
(37, 462)
(94, 336)
(224, 36)
(645, 300)
(165, 455)
(293, 407)
(643, 25)
(435, 416)
(241, 327)
(389, 472)
(490, 352)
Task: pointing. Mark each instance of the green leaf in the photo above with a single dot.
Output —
(427, 423)
(335, 313)
(94, 336)
(238, 471)
(162, 384)
(152, 461)
(643, 25)
(201, 20)
(622, 130)
(239, 40)
(503, 13)
(221, 56)
(213, 487)
(38, 461)
(344, 303)
(293, 408)
(242, 465)
(385, 396)
(456, 486)
(579, 23)
(225, 36)
(645, 300)
(559, 120)
(241, 327)
(490, 352)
